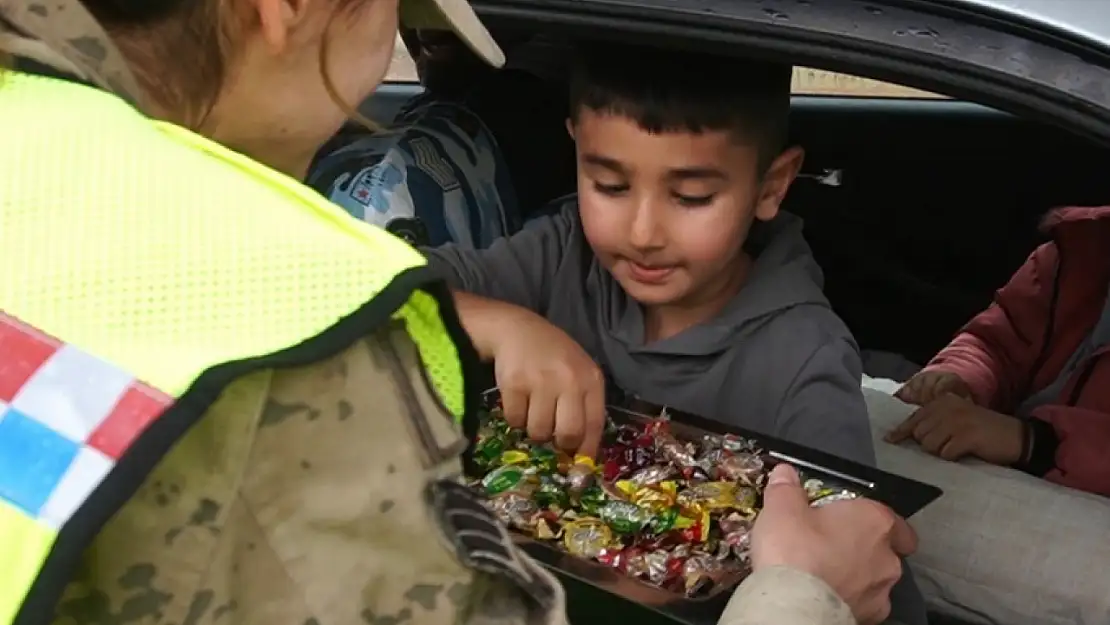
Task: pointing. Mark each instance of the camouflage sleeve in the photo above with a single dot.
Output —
(357, 470)
(327, 494)
(438, 177)
(783, 596)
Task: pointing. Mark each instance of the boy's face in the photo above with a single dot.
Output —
(667, 214)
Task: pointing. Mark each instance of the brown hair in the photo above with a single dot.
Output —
(667, 90)
(196, 39)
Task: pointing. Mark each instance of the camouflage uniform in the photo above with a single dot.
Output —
(281, 506)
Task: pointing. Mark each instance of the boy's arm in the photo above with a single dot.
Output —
(1068, 447)
(516, 269)
(824, 407)
(995, 352)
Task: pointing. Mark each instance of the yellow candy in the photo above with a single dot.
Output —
(587, 537)
(627, 487)
(654, 498)
(586, 460)
(514, 457)
(710, 496)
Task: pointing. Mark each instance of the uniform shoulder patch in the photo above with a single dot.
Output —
(481, 541)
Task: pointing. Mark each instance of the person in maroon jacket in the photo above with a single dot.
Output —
(1037, 354)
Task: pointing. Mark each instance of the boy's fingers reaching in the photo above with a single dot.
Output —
(541, 416)
(570, 427)
(514, 405)
(593, 412)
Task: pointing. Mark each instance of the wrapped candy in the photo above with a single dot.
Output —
(653, 474)
(510, 477)
(675, 514)
(830, 495)
(580, 475)
(587, 537)
(544, 458)
(741, 467)
(515, 510)
(701, 571)
(550, 492)
(717, 496)
(626, 460)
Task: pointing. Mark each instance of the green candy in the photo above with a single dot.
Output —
(488, 450)
(664, 521)
(551, 493)
(544, 458)
(592, 499)
(502, 479)
(625, 517)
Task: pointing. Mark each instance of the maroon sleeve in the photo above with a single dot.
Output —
(1069, 447)
(995, 352)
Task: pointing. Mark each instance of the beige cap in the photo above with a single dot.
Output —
(457, 16)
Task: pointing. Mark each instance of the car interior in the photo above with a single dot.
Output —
(917, 209)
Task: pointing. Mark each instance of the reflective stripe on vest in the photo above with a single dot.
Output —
(180, 261)
(66, 417)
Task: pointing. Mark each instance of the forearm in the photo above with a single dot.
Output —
(784, 596)
(484, 319)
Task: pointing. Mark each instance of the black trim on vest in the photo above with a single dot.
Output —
(153, 444)
(36, 68)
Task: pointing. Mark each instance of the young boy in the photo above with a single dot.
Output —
(1038, 354)
(673, 269)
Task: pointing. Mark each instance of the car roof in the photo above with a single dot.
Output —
(1085, 19)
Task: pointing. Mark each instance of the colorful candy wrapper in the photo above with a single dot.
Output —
(580, 475)
(510, 478)
(835, 495)
(675, 514)
(653, 474)
(700, 572)
(741, 467)
(587, 537)
(515, 510)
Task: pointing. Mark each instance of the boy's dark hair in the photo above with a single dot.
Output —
(675, 91)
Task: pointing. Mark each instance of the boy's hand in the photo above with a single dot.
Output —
(548, 384)
(926, 386)
(952, 427)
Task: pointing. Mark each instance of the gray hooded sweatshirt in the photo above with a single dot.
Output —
(776, 360)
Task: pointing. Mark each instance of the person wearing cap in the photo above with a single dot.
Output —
(222, 399)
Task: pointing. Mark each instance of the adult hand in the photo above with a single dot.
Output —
(854, 546)
(952, 427)
(925, 386)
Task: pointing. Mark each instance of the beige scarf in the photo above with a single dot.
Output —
(65, 36)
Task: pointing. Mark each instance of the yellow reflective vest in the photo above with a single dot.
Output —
(144, 270)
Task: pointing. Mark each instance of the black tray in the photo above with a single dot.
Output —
(905, 496)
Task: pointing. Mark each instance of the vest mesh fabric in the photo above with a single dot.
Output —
(165, 253)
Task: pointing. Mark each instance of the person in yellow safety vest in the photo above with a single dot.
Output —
(224, 400)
